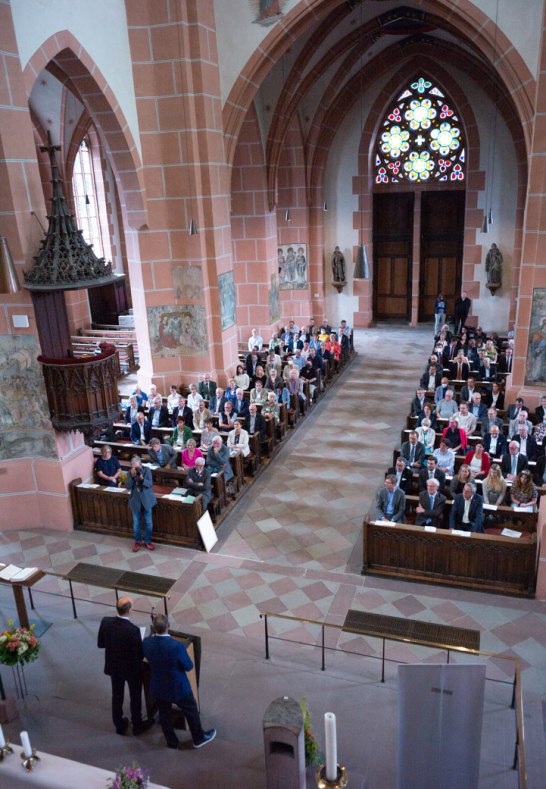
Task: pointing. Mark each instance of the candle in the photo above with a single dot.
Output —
(2, 740)
(25, 742)
(331, 746)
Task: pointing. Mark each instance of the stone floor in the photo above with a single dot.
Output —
(291, 546)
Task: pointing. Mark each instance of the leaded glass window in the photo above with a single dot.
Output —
(420, 140)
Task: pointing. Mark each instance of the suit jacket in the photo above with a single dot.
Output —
(465, 372)
(417, 406)
(168, 453)
(538, 473)
(513, 427)
(419, 455)
(141, 409)
(492, 373)
(462, 307)
(220, 462)
(475, 513)
(435, 515)
(405, 480)
(466, 397)
(135, 432)
(513, 411)
(424, 475)
(243, 442)
(503, 363)
(487, 424)
(424, 380)
(487, 398)
(122, 646)
(259, 425)
(482, 411)
(506, 464)
(164, 417)
(243, 406)
(398, 503)
(539, 415)
(196, 484)
(187, 413)
(502, 446)
(169, 661)
(531, 447)
(207, 391)
(141, 495)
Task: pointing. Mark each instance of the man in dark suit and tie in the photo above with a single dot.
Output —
(515, 408)
(430, 510)
(255, 422)
(495, 443)
(158, 415)
(240, 405)
(207, 390)
(540, 412)
(403, 475)
(514, 462)
(505, 361)
(141, 430)
(431, 472)
(198, 481)
(413, 451)
(169, 662)
(162, 454)
(123, 655)
(467, 510)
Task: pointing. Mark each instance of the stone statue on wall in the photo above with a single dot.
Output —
(493, 267)
(338, 265)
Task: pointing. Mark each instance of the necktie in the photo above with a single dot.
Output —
(412, 453)
(514, 464)
(431, 502)
(431, 474)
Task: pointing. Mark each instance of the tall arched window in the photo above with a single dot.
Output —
(87, 190)
(420, 139)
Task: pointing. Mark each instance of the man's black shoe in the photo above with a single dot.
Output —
(124, 726)
(143, 726)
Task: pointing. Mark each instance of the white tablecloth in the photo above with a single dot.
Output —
(53, 772)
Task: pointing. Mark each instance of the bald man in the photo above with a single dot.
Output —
(123, 656)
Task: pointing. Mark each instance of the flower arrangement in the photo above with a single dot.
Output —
(313, 754)
(18, 645)
(133, 777)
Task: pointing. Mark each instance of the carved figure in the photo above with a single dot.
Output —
(493, 266)
(338, 265)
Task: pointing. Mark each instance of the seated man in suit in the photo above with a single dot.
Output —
(237, 440)
(431, 472)
(478, 408)
(219, 402)
(207, 390)
(491, 419)
(255, 422)
(505, 361)
(495, 443)
(521, 419)
(141, 430)
(218, 458)
(430, 510)
(468, 390)
(258, 394)
(418, 402)
(162, 454)
(460, 369)
(132, 410)
(527, 444)
(200, 416)
(494, 397)
(413, 451)
(467, 510)
(487, 370)
(198, 481)
(185, 411)
(431, 379)
(514, 462)
(158, 415)
(390, 503)
(540, 411)
(402, 473)
(240, 406)
(515, 408)
(107, 468)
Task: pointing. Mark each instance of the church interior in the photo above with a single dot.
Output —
(238, 165)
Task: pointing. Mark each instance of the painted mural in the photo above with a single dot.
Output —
(25, 430)
(178, 330)
(226, 289)
(273, 298)
(188, 282)
(292, 266)
(535, 368)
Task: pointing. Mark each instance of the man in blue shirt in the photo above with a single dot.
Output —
(391, 502)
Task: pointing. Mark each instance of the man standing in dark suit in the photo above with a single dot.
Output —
(467, 510)
(169, 661)
(462, 308)
(207, 390)
(431, 505)
(123, 656)
(505, 361)
(141, 502)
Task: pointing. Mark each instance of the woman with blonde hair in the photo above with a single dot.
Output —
(494, 486)
(190, 454)
(460, 480)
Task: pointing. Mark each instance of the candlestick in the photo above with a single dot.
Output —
(341, 780)
(331, 746)
(25, 742)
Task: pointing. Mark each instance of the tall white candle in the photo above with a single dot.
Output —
(25, 742)
(331, 746)
(2, 740)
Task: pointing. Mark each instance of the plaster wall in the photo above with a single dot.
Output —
(100, 27)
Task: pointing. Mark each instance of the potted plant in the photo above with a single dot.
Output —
(133, 777)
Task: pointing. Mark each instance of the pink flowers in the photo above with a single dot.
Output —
(18, 645)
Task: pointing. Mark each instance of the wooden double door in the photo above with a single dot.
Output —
(441, 252)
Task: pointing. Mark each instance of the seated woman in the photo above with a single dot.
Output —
(427, 413)
(132, 411)
(455, 435)
(181, 434)
(190, 454)
(173, 401)
(426, 435)
(494, 486)
(459, 480)
(242, 378)
(231, 391)
(523, 492)
(479, 461)
(208, 434)
(107, 468)
(259, 375)
(496, 397)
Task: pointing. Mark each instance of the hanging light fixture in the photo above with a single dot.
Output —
(192, 228)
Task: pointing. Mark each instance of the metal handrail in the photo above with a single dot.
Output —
(517, 698)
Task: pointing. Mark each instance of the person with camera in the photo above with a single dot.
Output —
(141, 502)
